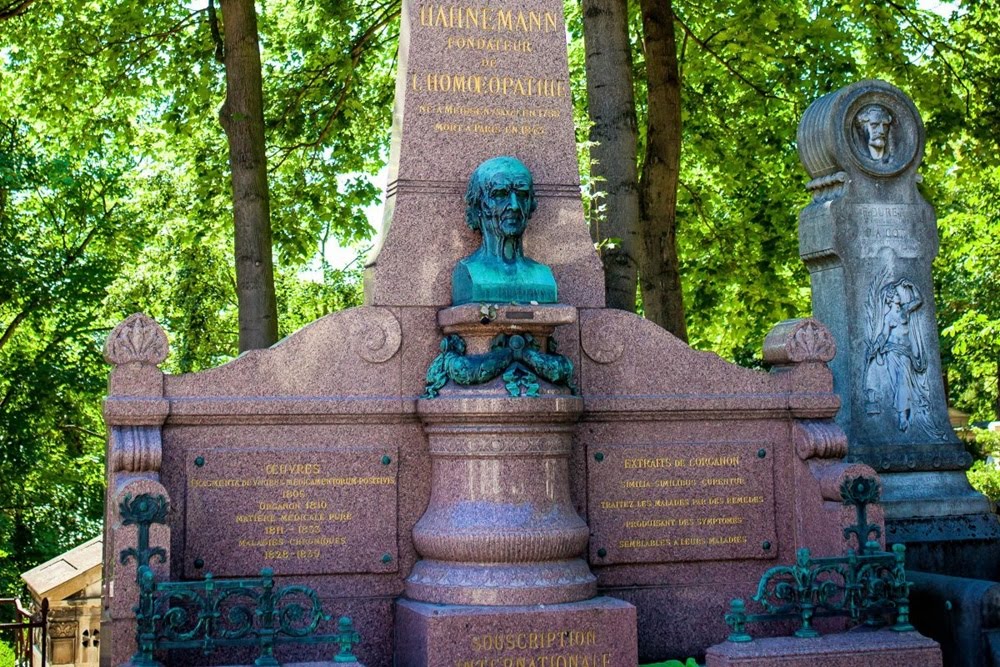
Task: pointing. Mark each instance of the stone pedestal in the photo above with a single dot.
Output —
(594, 633)
(861, 648)
(502, 579)
(500, 528)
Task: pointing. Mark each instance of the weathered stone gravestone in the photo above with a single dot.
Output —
(477, 525)
(868, 238)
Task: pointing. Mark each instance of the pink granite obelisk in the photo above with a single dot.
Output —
(502, 575)
(477, 81)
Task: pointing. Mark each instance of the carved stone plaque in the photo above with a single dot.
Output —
(681, 502)
(297, 511)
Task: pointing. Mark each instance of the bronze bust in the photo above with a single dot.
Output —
(499, 202)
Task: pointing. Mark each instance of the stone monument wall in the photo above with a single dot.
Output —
(868, 238)
(694, 475)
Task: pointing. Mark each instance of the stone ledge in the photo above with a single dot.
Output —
(858, 648)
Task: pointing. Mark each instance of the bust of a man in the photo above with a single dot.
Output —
(499, 203)
(874, 121)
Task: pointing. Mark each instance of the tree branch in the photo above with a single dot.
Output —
(161, 35)
(12, 327)
(704, 44)
(213, 24)
(936, 45)
(37, 302)
(358, 48)
(16, 8)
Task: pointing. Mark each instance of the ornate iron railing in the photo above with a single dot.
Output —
(214, 613)
(866, 584)
(25, 627)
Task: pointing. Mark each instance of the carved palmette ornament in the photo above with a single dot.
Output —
(62, 630)
(799, 341)
(139, 339)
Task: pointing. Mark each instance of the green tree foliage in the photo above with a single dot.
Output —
(748, 71)
(964, 184)
(66, 235)
(115, 198)
(115, 195)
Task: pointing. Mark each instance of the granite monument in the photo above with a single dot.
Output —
(868, 238)
(600, 494)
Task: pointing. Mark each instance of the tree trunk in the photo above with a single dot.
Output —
(612, 110)
(996, 403)
(659, 270)
(242, 118)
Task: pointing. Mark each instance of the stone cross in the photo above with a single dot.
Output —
(868, 238)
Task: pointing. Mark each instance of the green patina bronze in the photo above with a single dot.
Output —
(143, 511)
(865, 585)
(499, 203)
(516, 357)
(218, 613)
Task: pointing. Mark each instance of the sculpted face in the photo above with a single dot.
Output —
(506, 203)
(498, 203)
(501, 198)
(875, 121)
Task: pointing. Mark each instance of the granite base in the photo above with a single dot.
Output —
(600, 632)
(322, 663)
(857, 648)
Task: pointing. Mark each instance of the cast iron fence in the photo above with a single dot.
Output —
(24, 628)
(214, 613)
(866, 584)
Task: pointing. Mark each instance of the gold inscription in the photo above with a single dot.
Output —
(714, 462)
(292, 469)
(692, 502)
(533, 640)
(487, 19)
(554, 648)
(649, 463)
(293, 521)
(563, 660)
(291, 481)
(682, 542)
(745, 500)
(722, 481)
(681, 522)
(490, 112)
(484, 44)
(496, 85)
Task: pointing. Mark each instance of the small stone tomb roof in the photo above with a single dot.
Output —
(66, 574)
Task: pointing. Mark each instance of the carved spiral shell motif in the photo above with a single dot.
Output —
(375, 335)
(138, 339)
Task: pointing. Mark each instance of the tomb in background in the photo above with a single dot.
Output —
(868, 238)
